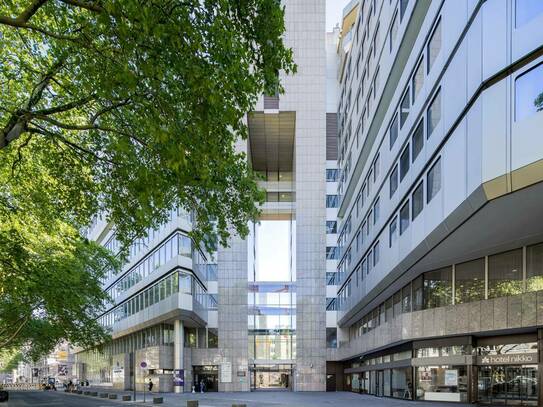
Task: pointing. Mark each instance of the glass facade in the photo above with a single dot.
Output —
(442, 383)
(272, 291)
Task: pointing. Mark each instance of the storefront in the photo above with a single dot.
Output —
(492, 371)
(508, 371)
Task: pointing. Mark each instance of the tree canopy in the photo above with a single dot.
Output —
(128, 108)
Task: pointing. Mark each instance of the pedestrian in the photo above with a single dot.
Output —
(202, 386)
(150, 385)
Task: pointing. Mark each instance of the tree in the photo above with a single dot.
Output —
(127, 108)
(147, 97)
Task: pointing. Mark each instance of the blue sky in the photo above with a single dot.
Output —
(334, 9)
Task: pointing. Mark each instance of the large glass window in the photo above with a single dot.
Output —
(274, 251)
(402, 381)
(433, 180)
(526, 10)
(404, 162)
(393, 32)
(534, 267)
(418, 80)
(393, 131)
(438, 288)
(529, 92)
(442, 383)
(393, 180)
(434, 45)
(417, 201)
(417, 287)
(404, 217)
(406, 298)
(417, 141)
(331, 337)
(433, 114)
(332, 253)
(470, 281)
(505, 274)
(332, 175)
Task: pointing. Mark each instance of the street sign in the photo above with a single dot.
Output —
(143, 365)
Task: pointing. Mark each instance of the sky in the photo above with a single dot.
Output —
(334, 11)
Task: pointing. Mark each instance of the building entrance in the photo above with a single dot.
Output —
(271, 377)
(508, 385)
(206, 378)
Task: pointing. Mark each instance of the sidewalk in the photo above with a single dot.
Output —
(270, 399)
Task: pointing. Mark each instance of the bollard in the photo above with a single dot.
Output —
(113, 397)
(127, 398)
(192, 403)
(158, 400)
(103, 395)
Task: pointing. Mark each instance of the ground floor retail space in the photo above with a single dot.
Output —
(496, 371)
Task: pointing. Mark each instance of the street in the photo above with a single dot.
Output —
(52, 398)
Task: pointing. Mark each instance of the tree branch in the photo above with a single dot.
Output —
(65, 107)
(21, 24)
(31, 10)
(84, 4)
(6, 342)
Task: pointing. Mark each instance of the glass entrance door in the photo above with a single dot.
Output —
(271, 377)
(508, 385)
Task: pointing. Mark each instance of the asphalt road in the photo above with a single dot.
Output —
(52, 398)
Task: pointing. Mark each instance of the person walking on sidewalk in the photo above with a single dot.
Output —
(150, 384)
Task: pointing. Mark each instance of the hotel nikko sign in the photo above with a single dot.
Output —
(514, 359)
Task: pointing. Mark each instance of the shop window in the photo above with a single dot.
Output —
(433, 115)
(529, 93)
(442, 383)
(434, 45)
(470, 281)
(526, 10)
(505, 274)
(534, 267)
(438, 288)
(402, 379)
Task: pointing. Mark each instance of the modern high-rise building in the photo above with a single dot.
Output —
(440, 236)
(252, 315)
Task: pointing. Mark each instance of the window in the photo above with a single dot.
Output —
(469, 281)
(331, 333)
(438, 288)
(376, 253)
(376, 211)
(526, 10)
(434, 45)
(417, 141)
(529, 93)
(376, 168)
(404, 108)
(433, 114)
(331, 227)
(505, 274)
(393, 180)
(417, 201)
(404, 217)
(433, 180)
(404, 163)
(393, 32)
(534, 267)
(393, 231)
(332, 175)
(406, 298)
(418, 80)
(393, 131)
(403, 7)
(332, 201)
(332, 253)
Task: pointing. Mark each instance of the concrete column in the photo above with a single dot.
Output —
(178, 348)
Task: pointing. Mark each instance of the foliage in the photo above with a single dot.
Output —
(9, 360)
(538, 102)
(127, 108)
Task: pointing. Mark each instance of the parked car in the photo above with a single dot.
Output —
(4, 396)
